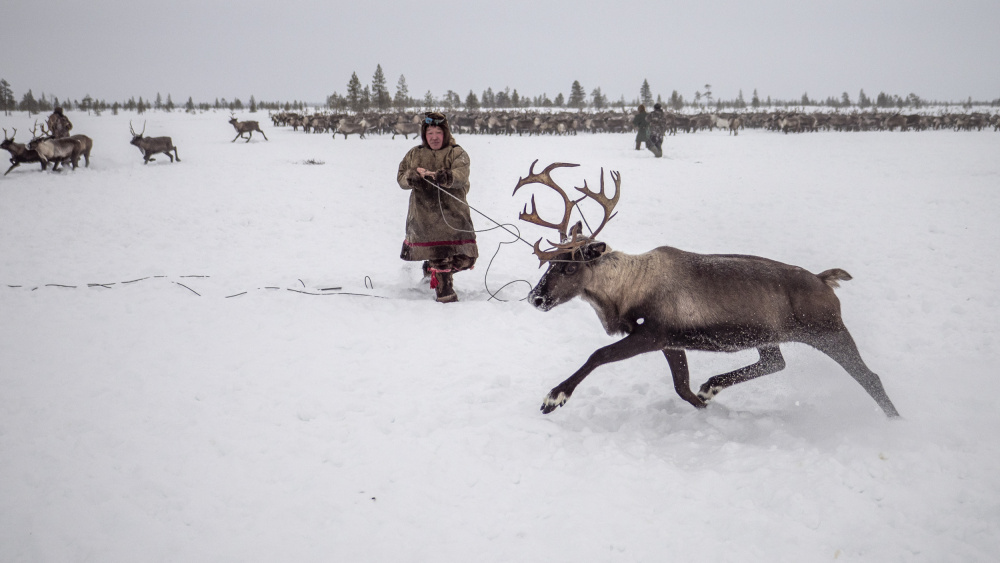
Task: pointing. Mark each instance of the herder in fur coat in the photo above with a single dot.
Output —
(439, 228)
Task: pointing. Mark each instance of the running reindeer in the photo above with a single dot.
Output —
(247, 127)
(152, 145)
(669, 300)
(57, 151)
(19, 153)
(86, 143)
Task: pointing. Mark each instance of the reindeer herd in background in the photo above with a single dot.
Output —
(44, 147)
(571, 123)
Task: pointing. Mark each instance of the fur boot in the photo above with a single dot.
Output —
(445, 288)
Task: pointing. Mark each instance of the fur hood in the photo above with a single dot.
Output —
(442, 122)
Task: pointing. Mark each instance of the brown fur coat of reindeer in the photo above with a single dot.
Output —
(669, 300)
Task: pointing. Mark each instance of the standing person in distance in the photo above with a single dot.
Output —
(641, 122)
(59, 124)
(657, 128)
(439, 229)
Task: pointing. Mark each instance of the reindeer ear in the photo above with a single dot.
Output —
(594, 250)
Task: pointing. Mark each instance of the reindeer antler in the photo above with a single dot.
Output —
(570, 241)
(545, 178)
(11, 137)
(607, 203)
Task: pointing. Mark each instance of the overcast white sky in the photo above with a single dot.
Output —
(302, 50)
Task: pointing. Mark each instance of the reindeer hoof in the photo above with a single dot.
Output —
(708, 392)
(552, 402)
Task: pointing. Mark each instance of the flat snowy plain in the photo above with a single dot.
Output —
(227, 418)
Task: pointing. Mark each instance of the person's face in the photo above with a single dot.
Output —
(435, 137)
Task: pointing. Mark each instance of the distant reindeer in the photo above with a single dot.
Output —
(56, 151)
(86, 142)
(405, 128)
(346, 128)
(247, 127)
(152, 145)
(669, 300)
(19, 153)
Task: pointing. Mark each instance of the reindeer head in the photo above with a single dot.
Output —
(136, 137)
(37, 137)
(7, 142)
(572, 259)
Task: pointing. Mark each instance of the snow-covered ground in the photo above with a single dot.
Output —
(223, 417)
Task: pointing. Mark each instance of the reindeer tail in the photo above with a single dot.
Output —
(831, 277)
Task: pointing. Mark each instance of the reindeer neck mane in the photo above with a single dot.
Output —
(607, 292)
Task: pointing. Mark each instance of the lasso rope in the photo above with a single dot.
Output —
(517, 237)
(303, 291)
(368, 281)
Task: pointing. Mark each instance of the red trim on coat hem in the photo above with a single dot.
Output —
(440, 243)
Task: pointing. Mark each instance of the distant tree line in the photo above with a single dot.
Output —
(375, 96)
(44, 104)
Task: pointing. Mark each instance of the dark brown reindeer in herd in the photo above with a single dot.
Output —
(669, 300)
(152, 145)
(247, 127)
(19, 152)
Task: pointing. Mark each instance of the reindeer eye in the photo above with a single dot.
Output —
(571, 268)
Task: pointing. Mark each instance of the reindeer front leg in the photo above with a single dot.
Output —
(632, 345)
(677, 360)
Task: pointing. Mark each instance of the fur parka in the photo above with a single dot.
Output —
(437, 226)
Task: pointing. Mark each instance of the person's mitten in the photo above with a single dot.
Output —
(444, 178)
(414, 180)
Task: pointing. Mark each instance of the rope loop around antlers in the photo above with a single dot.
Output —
(570, 240)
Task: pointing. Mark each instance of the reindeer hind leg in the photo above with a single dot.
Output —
(175, 155)
(771, 361)
(840, 346)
